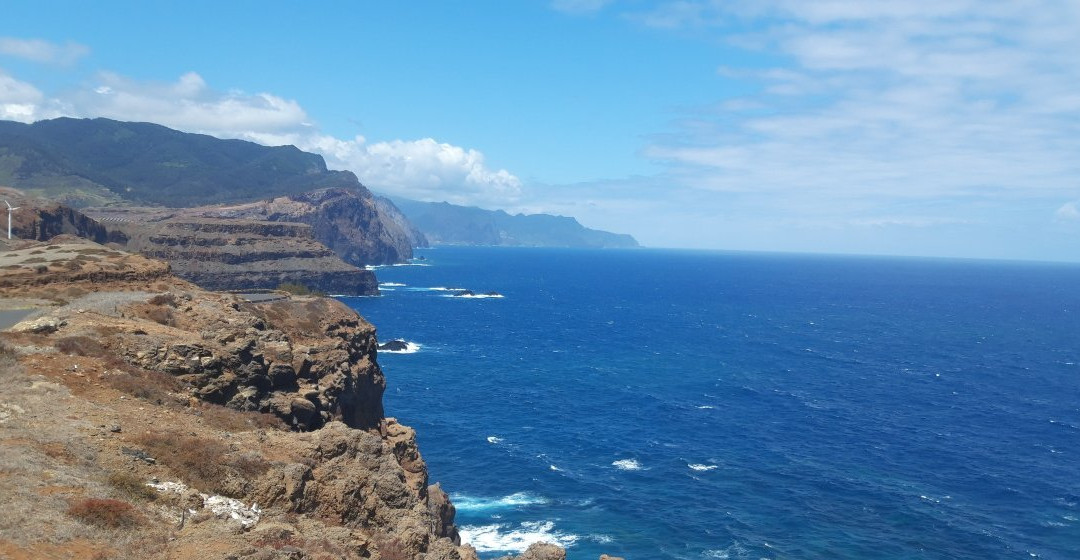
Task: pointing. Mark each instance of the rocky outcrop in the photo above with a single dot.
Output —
(377, 482)
(540, 551)
(121, 384)
(44, 222)
(238, 254)
(308, 361)
(348, 221)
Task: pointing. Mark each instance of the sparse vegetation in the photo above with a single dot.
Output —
(236, 420)
(149, 385)
(132, 486)
(298, 289)
(167, 298)
(104, 512)
(81, 346)
(161, 316)
(201, 462)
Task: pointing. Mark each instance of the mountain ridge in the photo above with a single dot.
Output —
(443, 223)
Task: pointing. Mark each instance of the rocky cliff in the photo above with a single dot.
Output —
(145, 418)
(238, 254)
(41, 220)
(348, 221)
(102, 162)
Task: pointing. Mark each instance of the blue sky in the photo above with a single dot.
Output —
(939, 128)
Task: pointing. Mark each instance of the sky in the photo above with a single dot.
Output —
(918, 127)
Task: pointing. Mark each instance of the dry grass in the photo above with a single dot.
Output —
(132, 486)
(81, 346)
(161, 316)
(167, 298)
(203, 463)
(148, 385)
(233, 420)
(105, 512)
(88, 347)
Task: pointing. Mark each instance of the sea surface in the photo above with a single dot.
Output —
(698, 405)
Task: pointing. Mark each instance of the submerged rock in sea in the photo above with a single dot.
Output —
(396, 345)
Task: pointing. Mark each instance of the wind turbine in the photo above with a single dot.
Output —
(10, 209)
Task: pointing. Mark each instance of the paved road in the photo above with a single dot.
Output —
(8, 317)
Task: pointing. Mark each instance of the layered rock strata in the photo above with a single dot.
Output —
(351, 222)
(236, 254)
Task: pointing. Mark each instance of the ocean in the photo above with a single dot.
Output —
(660, 404)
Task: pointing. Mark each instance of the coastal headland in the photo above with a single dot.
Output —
(145, 417)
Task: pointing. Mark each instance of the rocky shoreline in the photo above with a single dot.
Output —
(144, 417)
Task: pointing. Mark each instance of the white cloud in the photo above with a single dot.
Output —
(187, 104)
(19, 101)
(424, 169)
(923, 99)
(1068, 212)
(38, 50)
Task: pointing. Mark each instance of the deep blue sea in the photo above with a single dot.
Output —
(697, 405)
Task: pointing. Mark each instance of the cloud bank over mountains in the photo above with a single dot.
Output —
(424, 169)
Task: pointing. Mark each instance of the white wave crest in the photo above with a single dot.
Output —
(378, 266)
(476, 296)
(627, 465)
(494, 439)
(391, 285)
(507, 538)
(515, 500)
(700, 467)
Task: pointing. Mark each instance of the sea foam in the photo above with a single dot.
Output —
(627, 465)
(510, 538)
(479, 504)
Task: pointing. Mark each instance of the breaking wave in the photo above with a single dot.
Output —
(515, 500)
(627, 465)
(514, 538)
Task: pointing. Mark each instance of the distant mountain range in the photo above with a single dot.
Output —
(86, 162)
(103, 162)
(449, 224)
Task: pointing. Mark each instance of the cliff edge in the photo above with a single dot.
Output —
(143, 417)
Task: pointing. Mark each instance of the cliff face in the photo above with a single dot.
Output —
(152, 419)
(232, 254)
(112, 163)
(348, 221)
(41, 220)
(241, 254)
